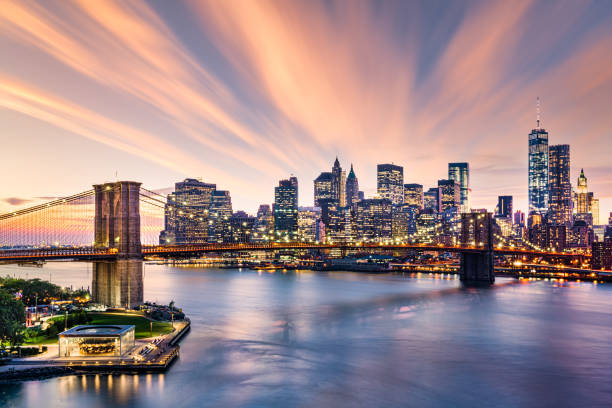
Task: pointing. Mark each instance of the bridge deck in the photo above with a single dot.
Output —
(91, 253)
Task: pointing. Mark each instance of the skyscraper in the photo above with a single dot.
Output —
(460, 173)
(374, 219)
(504, 207)
(587, 206)
(560, 201)
(323, 188)
(582, 194)
(338, 184)
(352, 188)
(390, 183)
(186, 213)
(450, 194)
(286, 210)
(264, 224)
(538, 170)
(413, 195)
(219, 214)
(431, 199)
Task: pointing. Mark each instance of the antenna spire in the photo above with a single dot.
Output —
(538, 111)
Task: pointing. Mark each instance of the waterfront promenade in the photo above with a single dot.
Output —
(151, 354)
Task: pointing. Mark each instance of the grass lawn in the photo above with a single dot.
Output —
(142, 329)
(143, 325)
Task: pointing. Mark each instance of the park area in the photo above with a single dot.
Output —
(143, 327)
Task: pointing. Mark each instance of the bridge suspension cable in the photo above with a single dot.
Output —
(66, 221)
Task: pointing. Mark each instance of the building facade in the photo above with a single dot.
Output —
(352, 188)
(390, 183)
(186, 213)
(413, 195)
(286, 210)
(560, 202)
(538, 171)
(450, 194)
(219, 215)
(460, 174)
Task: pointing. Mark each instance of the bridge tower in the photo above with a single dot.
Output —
(477, 231)
(117, 218)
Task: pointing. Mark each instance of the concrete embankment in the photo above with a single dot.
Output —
(34, 374)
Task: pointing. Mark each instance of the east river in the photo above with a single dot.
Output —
(314, 339)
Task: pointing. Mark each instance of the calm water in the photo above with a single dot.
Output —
(356, 340)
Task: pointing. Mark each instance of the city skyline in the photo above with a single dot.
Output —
(194, 92)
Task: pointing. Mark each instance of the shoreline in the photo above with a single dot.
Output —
(45, 369)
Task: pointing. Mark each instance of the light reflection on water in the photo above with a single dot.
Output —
(349, 339)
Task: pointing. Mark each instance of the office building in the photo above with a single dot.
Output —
(413, 195)
(431, 199)
(186, 213)
(374, 219)
(309, 224)
(390, 183)
(460, 174)
(560, 200)
(450, 194)
(352, 188)
(323, 188)
(504, 207)
(338, 185)
(242, 227)
(286, 210)
(538, 170)
(601, 258)
(219, 214)
(587, 206)
(264, 224)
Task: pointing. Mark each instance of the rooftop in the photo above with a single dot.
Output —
(97, 330)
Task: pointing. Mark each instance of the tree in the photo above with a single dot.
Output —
(12, 318)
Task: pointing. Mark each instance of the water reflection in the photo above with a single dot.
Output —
(346, 339)
(118, 283)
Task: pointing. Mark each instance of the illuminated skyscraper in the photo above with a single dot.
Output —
(219, 214)
(450, 194)
(460, 173)
(186, 213)
(374, 220)
(264, 224)
(560, 201)
(390, 183)
(538, 170)
(338, 185)
(323, 188)
(286, 210)
(582, 194)
(413, 195)
(587, 206)
(352, 188)
(431, 199)
(504, 207)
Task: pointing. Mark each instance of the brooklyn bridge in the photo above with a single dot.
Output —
(121, 221)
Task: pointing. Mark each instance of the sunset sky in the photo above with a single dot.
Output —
(243, 93)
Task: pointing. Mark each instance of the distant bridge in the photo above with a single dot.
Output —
(112, 213)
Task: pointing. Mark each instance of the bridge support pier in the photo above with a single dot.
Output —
(117, 218)
(117, 283)
(477, 267)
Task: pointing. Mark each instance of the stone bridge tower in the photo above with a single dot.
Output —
(477, 231)
(117, 218)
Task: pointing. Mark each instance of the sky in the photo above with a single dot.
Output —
(245, 93)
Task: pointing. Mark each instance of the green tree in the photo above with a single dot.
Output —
(12, 318)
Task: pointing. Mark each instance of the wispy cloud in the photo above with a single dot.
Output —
(253, 90)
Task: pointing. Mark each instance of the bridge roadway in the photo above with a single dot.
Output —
(92, 253)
